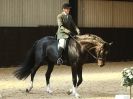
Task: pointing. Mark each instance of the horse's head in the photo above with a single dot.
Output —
(101, 53)
(94, 43)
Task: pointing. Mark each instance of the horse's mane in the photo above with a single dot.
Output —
(90, 38)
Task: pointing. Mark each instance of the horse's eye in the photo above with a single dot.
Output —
(101, 51)
(106, 52)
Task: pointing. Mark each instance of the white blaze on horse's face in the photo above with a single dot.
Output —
(100, 55)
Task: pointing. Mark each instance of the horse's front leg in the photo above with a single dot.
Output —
(47, 75)
(73, 91)
(80, 78)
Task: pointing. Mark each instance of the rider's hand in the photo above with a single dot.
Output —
(78, 31)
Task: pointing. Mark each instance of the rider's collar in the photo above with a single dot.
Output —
(64, 13)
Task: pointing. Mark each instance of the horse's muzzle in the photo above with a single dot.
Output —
(100, 62)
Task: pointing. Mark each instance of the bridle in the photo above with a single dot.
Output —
(95, 57)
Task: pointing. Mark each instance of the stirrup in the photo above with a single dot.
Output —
(59, 61)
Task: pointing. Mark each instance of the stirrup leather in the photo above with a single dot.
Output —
(59, 61)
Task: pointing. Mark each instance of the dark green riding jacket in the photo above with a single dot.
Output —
(66, 25)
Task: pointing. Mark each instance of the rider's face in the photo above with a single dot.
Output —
(66, 10)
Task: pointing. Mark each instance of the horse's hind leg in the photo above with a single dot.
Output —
(33, 72)
(47, 75)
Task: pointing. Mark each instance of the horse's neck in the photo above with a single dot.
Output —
(74, 47)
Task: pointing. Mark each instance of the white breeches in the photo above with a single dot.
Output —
(62, 43)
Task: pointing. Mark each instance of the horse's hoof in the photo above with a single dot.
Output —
(49, 91)
(77, 96)
(27, 91)
(69, 92)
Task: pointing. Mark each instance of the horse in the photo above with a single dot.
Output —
(45, 51)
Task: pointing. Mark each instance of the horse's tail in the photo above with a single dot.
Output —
(25, 70)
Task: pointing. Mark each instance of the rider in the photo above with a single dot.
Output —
(66, 27)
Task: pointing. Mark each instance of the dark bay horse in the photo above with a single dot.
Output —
(75, 55)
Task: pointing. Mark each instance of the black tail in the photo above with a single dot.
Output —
(25, 70)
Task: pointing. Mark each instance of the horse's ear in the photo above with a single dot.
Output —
(107, 45)
(110, 43)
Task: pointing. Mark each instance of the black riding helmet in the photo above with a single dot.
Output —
(66, 5)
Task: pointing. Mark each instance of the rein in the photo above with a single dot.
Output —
(73, 38)
(92, 54)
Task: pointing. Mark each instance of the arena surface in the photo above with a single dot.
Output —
(99, 83)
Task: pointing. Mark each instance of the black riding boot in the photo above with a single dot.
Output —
(59, 60)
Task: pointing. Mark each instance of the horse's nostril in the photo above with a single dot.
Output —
(100, 63)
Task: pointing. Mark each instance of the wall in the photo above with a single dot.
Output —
(16, 41)
(19, 21)
(91, 13)
(104, 13)
(27, 13)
